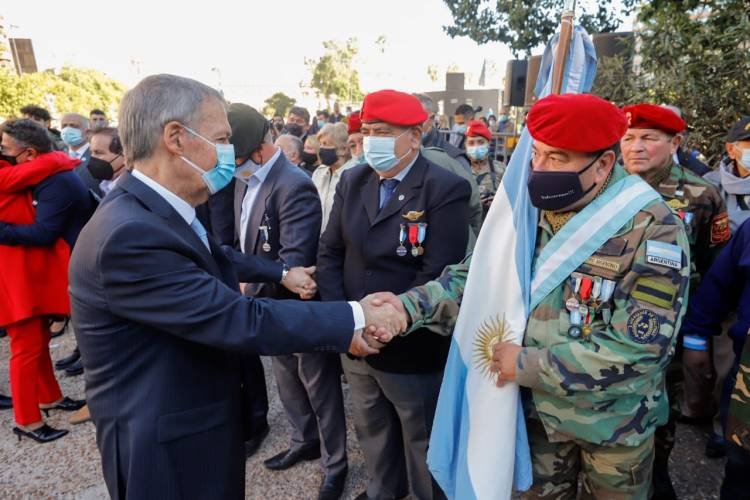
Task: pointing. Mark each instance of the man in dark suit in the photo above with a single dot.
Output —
(278, 217)
(157, 315)
(396, 222)
(75, 135)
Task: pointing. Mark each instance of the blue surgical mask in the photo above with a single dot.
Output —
(460, 128)
(745, 158)
(321, 123)
(478, 153)
(71, 136)
(360, 159)
(380, 152)
(222, 173)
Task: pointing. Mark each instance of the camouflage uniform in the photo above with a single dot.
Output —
(488, 180)
(599, 397)
(738, 421)
(700, 206)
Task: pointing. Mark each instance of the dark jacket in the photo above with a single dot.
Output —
(217, 215)
(436, 140)
(723, 289)
(287, 202)
(357, 254)
(88, 180)
(160, 324)
(63, 206)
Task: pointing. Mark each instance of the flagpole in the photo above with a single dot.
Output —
(563, 45)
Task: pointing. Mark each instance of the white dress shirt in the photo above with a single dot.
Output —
(78, 153)
(254, 182)
(325, 182)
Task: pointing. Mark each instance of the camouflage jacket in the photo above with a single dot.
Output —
(738, 420)
(701, 207)
(607, 386)
(488, 179)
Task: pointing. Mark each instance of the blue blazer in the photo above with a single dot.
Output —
(160, 325)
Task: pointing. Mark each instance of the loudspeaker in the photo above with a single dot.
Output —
(615, 44)
(532, 71)
(515, 83)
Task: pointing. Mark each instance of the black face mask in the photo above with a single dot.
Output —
(294, 129)
(101, 169)
(328, 156)
(557, 190)
(13, 160)
(309, 158)
(278, 126)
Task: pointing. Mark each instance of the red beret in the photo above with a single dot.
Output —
(576, 122)
(652, 116)
(477, 128)
(393, 107)
(355, 123)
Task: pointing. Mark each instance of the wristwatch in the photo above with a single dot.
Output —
(284, 272)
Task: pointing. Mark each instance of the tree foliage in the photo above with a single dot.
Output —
(74, 90)
(694, 54)
(333, 75)
(278, 104)
(525, 24)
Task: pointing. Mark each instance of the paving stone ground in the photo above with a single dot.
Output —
(69, 467)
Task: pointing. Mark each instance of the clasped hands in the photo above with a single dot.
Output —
(385, 318)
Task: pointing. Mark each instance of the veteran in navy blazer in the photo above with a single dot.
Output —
(157, 313)
(396, 223)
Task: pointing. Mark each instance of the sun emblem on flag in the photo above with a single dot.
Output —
(490, 332)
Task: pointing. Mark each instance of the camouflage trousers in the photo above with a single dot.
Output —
(611, 472)
(665, 434)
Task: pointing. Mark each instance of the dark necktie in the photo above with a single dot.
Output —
(387, 187)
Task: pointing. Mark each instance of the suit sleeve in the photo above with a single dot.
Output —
(55, 207)
(221, 214)
(631, 352)
(447, 232)
(718, 294)
(300, 217)
(332, 249)
(147, 282)
(253, 269)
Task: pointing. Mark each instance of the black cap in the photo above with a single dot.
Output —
(740, 131)
(248, 129)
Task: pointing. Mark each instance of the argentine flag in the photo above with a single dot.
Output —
(479, 447)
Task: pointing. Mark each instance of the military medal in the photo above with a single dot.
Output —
(264, 232)
(401, 250)
(571, 304)
(413, 238)
(421, 235)
(606, 315)
(607, 289)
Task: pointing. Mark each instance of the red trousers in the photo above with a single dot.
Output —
(32, 379)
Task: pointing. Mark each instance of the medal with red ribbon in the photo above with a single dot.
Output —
(414, 239)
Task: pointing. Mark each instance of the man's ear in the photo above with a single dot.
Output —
(675, 143)
(174, 138)
(32, 154)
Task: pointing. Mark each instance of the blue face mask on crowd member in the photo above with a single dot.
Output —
(745, 158)
(380, 152)
(459, 127)
(478, 153)
(222, 173)
(321, 123)
(71, 136)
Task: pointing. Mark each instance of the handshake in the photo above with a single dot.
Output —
(385, 318)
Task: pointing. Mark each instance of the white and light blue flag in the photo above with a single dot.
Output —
(479, 448)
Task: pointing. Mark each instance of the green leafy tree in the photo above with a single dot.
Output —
(694, 54)
(333, 75)
(525, 24)
(278, 104)
(71, 90)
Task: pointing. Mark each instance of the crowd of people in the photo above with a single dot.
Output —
(170, 239)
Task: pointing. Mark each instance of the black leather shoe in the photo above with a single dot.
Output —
(716, 446)
(332, 486)
(68, 360)
(75, 369)
(288, 458)
(252, 444)
(6, 403)
(44, 434)
(65, 404)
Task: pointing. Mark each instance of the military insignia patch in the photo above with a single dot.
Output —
(676, 204)
(663, 254)
(413, 215)
(720, 231)
(603, 263)
(643, 326)
(654, 292)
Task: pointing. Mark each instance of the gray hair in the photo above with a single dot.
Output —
(154, 102)
(83, 121)
(292, 144)
(427, 103)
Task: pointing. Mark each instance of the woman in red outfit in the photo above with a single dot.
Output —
(33, 282)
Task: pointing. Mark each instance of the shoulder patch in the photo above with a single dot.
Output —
(720, 232)
(643, 326)
(654, 292)
(663, 254)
